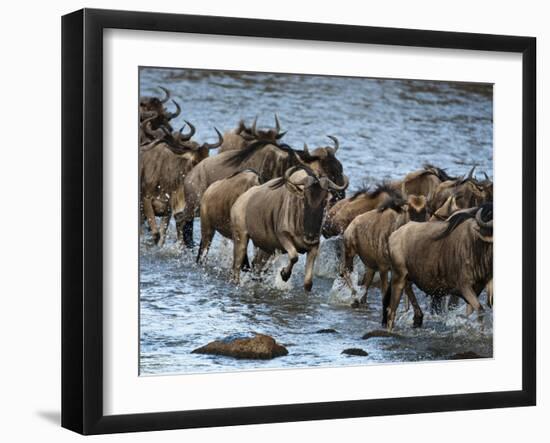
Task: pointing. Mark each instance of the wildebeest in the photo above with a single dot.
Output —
(154, 106)
(284, 214)
(452, 257)
(424, 181)
(268, 159)
(163, 165)
(368, 234)
(216, 203)
(341, 214)
(242, 136)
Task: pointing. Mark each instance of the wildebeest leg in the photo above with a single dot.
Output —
(288, 246)
(184, 228)
(184, 224)
(436, 305)
(367, 280)
(472, 300)
(260, 259)
(245, 267)
(489, 289)
(164, 222)
(347, 266)
(240, 244)
(397, 285)
(207, 234)
(142, 219)
(418, 314)
(383, 281)
(310, 262)
(188, 234)
(151, 220)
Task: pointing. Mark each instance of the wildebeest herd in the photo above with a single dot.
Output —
(429, 229)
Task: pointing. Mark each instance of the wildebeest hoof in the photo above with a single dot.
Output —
(156, 238)
(355, 304)
(285, 275)
(307, 286)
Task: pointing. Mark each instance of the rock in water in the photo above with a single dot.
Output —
(326, 331)
(355, 351)
(381, 333)
(258, 347)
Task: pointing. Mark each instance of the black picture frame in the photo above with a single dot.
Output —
(82, 218)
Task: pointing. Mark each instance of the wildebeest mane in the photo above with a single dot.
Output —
(395, 202)
(244, 154)
(441, 174)
(387, 188)
(454, 222)
(379, 189)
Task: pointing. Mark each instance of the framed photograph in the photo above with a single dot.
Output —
(270, 221)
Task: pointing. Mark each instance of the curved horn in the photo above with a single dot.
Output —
(186, 137)
(280, 135)
(277, 124)
(253, 128)
(147, 146)
(214, 145)
(147, 119)
(146, 127)
(306, 149)
(290, 171)
(171, 115)
(166, 94)
(336, 143)
(471, 173)
(486, 176)
(333, 186)
(480, 222)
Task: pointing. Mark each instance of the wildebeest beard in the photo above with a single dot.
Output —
(314, 206)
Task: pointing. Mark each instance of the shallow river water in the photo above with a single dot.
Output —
(386, 128)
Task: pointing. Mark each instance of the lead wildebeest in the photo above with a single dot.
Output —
(453, 257)
(368, 234)
(341, 214)
(163, 165)
(216, 203)
(270, 160)
(284, 214)
(242, 136)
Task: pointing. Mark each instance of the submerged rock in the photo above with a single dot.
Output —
(465, 355)
(381, 333)
(258, 347)
(326, 331)
(356, 352)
